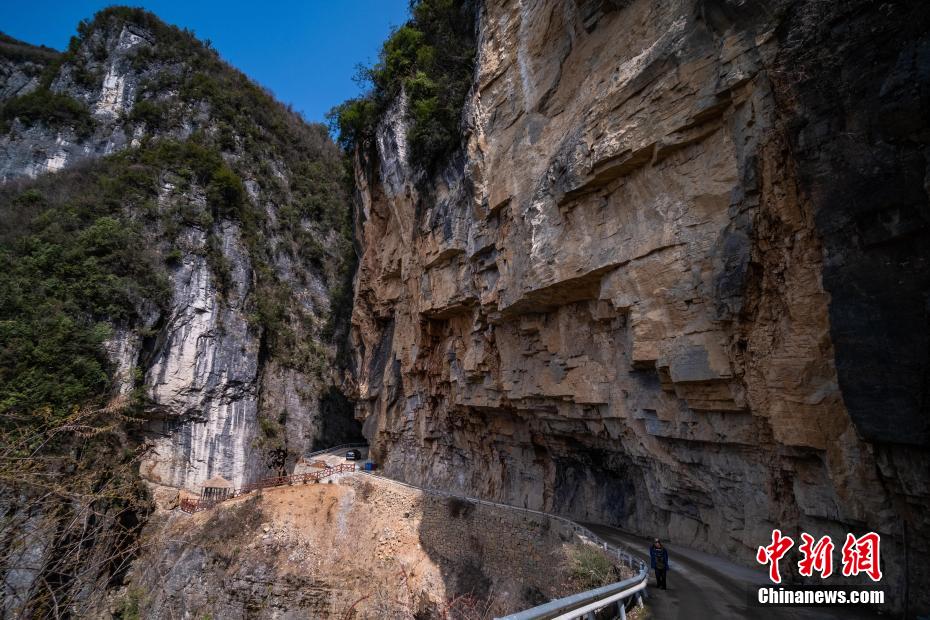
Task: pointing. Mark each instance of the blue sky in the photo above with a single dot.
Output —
(303, 51)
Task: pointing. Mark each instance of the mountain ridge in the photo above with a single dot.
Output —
(177, 252)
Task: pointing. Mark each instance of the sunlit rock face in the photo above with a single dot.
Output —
(662, 286)
(207, 373)
(202, 365)
(109, 52)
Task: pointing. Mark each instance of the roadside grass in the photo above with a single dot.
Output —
(589, 567)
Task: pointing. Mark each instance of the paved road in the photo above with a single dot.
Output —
(701, 585)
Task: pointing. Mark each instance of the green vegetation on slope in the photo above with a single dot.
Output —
(19, 51)
(52, 109)
(90, 247)
(71, 264)
(431, 58)
(42, 105)
(79, 252)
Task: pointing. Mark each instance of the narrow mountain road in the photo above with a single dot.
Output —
(701, 585)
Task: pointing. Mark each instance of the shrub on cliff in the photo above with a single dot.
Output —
(52, 109)
(19, 51)
(431, 59)
(70, 265)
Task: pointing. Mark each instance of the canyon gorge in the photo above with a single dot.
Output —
(169, 225)
(672, 275)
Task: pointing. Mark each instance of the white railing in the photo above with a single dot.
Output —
(584, 604)
(580, 605)
(343, 446)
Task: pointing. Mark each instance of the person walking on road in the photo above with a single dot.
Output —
(659, 556)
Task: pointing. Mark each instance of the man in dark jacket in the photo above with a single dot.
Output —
(659, 556)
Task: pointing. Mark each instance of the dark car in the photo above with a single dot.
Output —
(353, 455)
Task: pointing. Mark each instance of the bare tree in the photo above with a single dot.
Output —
(71, 507)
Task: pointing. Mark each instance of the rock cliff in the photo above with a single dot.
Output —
(361, 547)
(175, 247)
(232, 367)
(675, 279)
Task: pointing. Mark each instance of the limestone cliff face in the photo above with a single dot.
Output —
(224, 395)
(104, 80)
(194, 236)
(675, 279)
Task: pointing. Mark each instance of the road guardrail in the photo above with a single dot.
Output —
(583, 604)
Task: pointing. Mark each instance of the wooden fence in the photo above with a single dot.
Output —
(192, 505)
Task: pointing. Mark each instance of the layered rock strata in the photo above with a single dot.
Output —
(675, 280)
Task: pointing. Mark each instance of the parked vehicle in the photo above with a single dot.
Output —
(353, 455)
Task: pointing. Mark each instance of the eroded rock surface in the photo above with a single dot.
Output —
(361, 547)
(35, 150)
(666, 284)
(222, 398)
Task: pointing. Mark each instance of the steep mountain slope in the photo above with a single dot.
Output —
(175, 253)
(662, 265)
(674, 279)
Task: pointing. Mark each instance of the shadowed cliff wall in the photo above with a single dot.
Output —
(675, 280)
